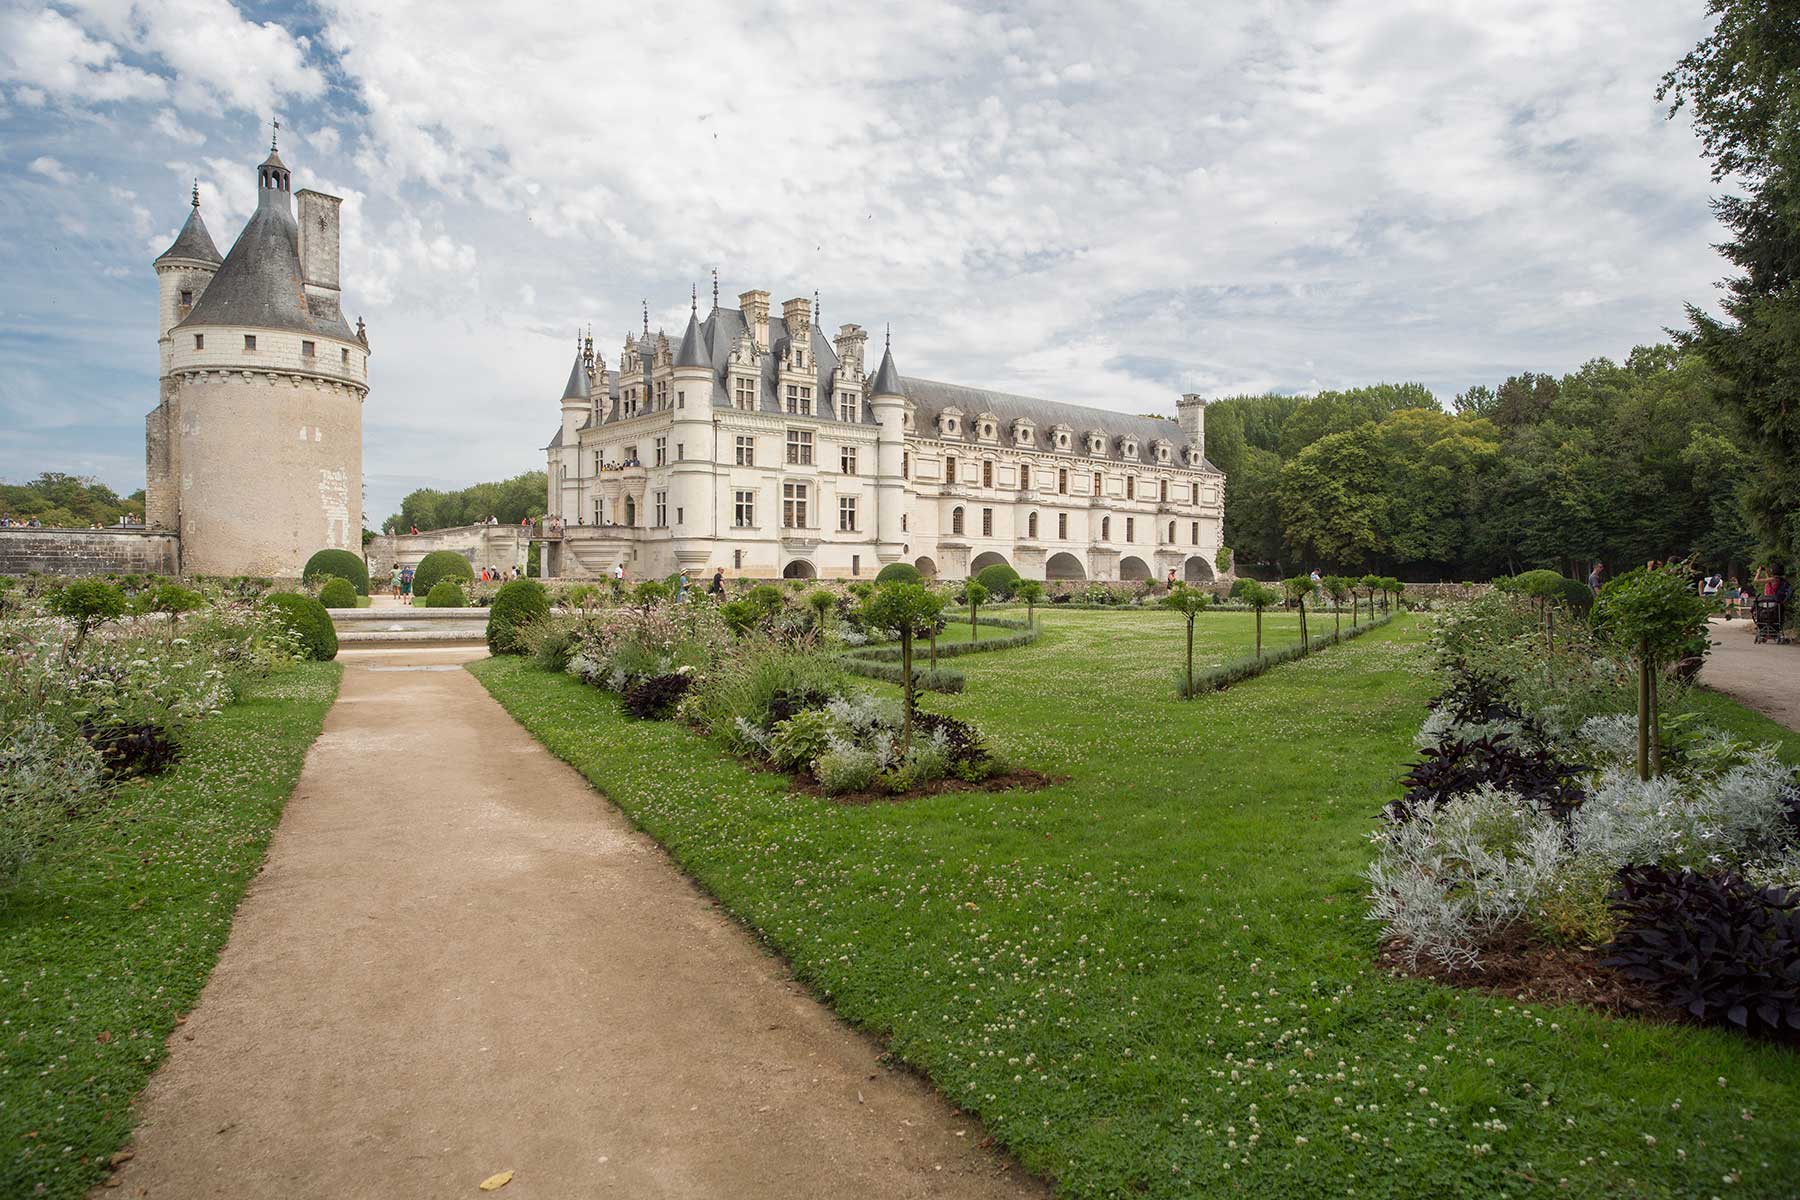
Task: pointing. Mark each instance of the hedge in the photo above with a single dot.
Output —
(445, 593)
(518, 603)
(307, 618)
(999, 579)
(440, 564)
(341, 563)
(943, 679)
(1217, 679)
(337, 593)
(898, 572)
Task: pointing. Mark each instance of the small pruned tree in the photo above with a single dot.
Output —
(906, 608)
(768, 598)
(1298, 589)
(1394, 589)
(975, 595)
(1339, 589)
(1223, 560)
(89, 603)
(171, 600)
(1258, 596)
(1190, 603)
(649, 593)
(1371, 584)
(821, 602)
(1653, 616)
(1032, 593)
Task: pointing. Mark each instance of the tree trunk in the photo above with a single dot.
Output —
(1655, 722)
(906, 673)
(1190, 660)
(934, 652)
(1643, 728)
(1259, 633)
(974, 625)
(1337, 619)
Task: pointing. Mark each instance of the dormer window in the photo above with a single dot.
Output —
(1096, 443)
(1023, 432)
(1128, 447)
(743, 392)
(949, 421)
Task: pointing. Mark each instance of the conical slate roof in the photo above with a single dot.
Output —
(577, 388)
(887, 378)
(690, 353)
(193, 242)
(260, 283)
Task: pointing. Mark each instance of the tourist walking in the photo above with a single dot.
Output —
(406, 581)
(1594, 578)
(619, 572)
(681, 586)
(717, 586)
(394, 581)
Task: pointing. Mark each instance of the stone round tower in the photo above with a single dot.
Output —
(255, 451)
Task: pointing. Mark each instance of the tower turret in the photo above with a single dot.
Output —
(1190, 413)
(691, 485)
(888, 402)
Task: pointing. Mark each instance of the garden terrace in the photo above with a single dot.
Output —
(1155, 977)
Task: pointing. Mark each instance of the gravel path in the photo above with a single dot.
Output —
(1765, 677)
(461, 961)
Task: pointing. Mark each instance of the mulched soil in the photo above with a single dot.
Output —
(1519, 969)
(1020, 778)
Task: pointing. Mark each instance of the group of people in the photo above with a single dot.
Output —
(682, 583)
(1769, 581)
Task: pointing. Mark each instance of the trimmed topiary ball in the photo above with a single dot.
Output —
(341, 563)
(307, 618)
(999, 580)
(899, 572)
(337, 593)
(446, 593)
(440, 564)
(517, 604)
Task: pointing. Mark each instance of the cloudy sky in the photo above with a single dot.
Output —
(1102, 203)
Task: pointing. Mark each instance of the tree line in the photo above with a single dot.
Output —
(68, 502)
(509, 501)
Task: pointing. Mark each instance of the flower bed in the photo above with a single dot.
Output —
(1525, 836)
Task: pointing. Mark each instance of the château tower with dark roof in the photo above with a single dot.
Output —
(254, 451)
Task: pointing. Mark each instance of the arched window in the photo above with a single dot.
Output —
(1171, 533)
(956, 519)
(1106, 529)
(1031, 525)
(630, 511)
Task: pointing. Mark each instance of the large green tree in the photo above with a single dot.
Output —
(509, 500)
(1742, 83)
(68, 501)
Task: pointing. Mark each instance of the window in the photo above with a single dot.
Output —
(737, 560)
(800, 447)
(596, 462)
(187, 296)
(662, 509)
(1024, 477)
(680, 516)
(1196, 493)
(1062, 527)
(987, 473)
(344, 357)
(902, 522)
(680, 399)
(680, 451)
(308, 349)
(905, 464)
(950, 469)
(746, 393)
(662, 452)
(849, 407)
(956, 519)
(799, 400)
(1131, 487)
(631, 456)
(1171, 533)
(856, 564)
(662, 393)
(1031, 526)
(1106, 529)
(746, 451)
(987, 522)
(200, 342)
(1131, 529)
(1194, 533)
(596, 511)
(793, 506)
(743, 512)
(846, 514)
(1062, 480)
(1096, 483)
(249, 341)
(1163, 495)
(847, 460)
(630, 511)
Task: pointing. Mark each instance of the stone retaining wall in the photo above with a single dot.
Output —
(499, 546)
(89, 552)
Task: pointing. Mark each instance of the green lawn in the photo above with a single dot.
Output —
(1154, 979)
(113, 932)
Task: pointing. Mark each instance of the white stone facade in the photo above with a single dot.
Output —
(761, 447)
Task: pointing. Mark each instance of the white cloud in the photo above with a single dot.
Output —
(167, 123)
(49, 55)
(52, 170)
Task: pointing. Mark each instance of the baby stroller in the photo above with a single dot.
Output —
(1768, 616)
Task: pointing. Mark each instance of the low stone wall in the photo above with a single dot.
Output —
(89, 552)
(500, 546)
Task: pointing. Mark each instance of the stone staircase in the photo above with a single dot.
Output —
(390, 624)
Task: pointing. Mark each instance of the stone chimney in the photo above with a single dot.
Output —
(798, 315)
(1190, 411)
(849, 344)
(319, 252)
(756, 315)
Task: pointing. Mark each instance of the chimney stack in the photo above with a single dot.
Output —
(849, 343)
(319, 252)
(755, 305)
(798, 315)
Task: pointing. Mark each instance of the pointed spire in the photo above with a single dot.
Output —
(274, 137)
(577, 387)
(194, 242)
(693, 299)
(887, 378)
(646, 318)
(196, 192)
(690, 353)
(817, 319)
(715, 272)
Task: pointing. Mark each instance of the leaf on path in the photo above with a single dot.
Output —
(494, 1183)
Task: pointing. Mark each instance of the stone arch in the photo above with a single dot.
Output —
(1132, 567)
(799, 568)
(986, 559)
(925, 566)
(1197, 570)
(1063, 565)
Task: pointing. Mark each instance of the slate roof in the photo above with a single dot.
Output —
(193, 242)
(690, 353)
(259, 283)
(577, 387)
(930, 398)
